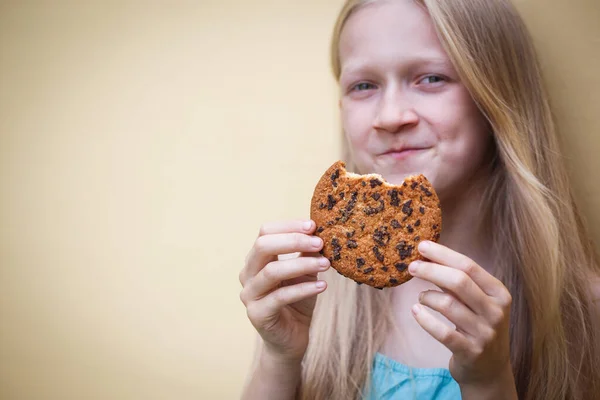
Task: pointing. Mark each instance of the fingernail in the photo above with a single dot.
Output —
(315, 241)
(415, 309)
(323, 263)
(423, 246)
(307, 225)
(412, 268)
(421, 297)
(320, 284)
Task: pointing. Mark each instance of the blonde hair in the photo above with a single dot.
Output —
(542, 252)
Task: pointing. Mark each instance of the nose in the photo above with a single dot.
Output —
(395, 113)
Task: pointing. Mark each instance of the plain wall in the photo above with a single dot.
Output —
(142, 144)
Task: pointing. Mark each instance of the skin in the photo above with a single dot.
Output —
(405, 111)
(398, 91)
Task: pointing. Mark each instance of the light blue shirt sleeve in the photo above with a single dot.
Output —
(392, 380)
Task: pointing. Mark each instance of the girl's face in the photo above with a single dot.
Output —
(404, 110)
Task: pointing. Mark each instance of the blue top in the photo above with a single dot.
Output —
(392, 380)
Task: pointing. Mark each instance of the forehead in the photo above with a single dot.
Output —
(390, 31)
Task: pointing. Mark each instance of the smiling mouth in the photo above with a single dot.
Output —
(398, 154)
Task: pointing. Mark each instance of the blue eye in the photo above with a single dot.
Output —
(432, 79)
(362, 86)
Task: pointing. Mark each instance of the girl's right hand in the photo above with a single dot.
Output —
(280, 295)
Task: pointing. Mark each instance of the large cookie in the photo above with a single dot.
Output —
(371, 228)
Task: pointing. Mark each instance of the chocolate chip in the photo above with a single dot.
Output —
(434, 227)
(378, 209)
(395, 224)
(418, 223)
(404, 184)
(378, 287)
(368, 270)
(393, 281)
(406, 208)
(330, 202)
(375, 196)
(378, 255)
(395, 200)
(384, 269)
(321, 252)
(322, 206)
(414, 185)
(335, 244)
(352, 202)
(409, 229)
(422, 210)
(320, 230)
(363, 183)
(329, 223)
(359, 283)
(437, 236)
(342, 195)
(404, 250)
(362, 226)
(372, 279)
(417, 238)
(426, 191)
(375, 182)
(401, 267)
(350, 234)
(360, 262)
(352, 244)
(381, 236)
(364, 197)
(334, 177)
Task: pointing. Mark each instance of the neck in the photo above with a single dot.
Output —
(462, 228)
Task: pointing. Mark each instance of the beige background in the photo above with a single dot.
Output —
(141, 146)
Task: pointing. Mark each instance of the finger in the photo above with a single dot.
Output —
(445, 256)
(455, 341)
(278, 271)
(450, 307)
(270, 306)
(453, 280)
(301, 226)
(266, 249)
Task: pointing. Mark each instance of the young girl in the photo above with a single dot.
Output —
(506, 307)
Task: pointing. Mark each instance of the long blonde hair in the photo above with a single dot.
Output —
(542, 252)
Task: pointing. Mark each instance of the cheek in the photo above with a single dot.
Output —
(356, 126)
(461, 129)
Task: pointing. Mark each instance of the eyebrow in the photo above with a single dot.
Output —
(355, 66)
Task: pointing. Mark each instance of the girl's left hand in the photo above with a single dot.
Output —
(478, 305)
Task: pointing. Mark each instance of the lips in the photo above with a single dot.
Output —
(404, 151)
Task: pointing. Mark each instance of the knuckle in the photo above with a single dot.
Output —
(469, 267)
(446, 335)
(270, 272)
(447, 303)
(506, 298)
(461, 281)
(477, 350)
(488, 334)
(263, 230)
(253, 312)
(496, 316)
(259, 244)
(243, 297)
